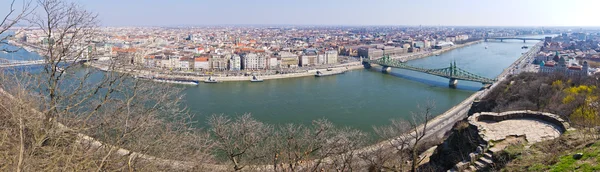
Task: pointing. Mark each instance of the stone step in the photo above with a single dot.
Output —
(488, 155)
(479, 164)
(486, 160)
(472, 168)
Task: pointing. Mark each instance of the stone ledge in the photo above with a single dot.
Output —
(492, 116)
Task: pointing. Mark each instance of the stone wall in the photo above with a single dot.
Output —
(549, 117)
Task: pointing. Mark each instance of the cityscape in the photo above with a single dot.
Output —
(111, 90)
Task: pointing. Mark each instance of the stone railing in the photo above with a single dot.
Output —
(548, 117)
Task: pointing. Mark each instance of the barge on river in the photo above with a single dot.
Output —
(329, 72)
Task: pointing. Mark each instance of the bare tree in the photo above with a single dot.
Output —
(395, 135)
(346, 145)
(239, 139)
(64, 109)
(296, 147)
(406, 138)
(13, 17)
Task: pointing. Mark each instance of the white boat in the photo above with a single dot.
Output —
(486, 47)
(185, 82)
(255, 79)
(105, 69)
(210, 79)
(328, 73)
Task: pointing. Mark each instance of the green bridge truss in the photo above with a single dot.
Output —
(451, 72)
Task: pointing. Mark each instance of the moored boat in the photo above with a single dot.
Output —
(210, 79)
(176, 81)
(328, 73)
(255, 79)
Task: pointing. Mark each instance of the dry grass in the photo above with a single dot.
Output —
(554, 155)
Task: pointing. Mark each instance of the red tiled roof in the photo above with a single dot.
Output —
(575, 67)
(201, 59)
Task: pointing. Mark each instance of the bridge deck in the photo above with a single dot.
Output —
(451, 72)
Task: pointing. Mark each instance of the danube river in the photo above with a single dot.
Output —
(359, 98)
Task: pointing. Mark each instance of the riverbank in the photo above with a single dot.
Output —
(435, 52)
(25, 46)
(337, 68)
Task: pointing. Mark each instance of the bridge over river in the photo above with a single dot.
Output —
(453, 72)
(514, 38)
(4, 63)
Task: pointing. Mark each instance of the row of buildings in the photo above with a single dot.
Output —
(257, 48)
(562, 64)
(244, 61)
(570, 53)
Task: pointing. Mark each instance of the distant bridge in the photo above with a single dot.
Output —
(453, 73)
(513, 38)
(16, 63)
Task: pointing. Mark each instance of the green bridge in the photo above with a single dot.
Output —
(453, 73)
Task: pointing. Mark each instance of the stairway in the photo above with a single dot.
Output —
(483, 163)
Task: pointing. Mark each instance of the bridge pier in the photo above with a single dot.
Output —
(453, 82)
(366, 65)
(501, 40)
(386, 69)
(524, 41)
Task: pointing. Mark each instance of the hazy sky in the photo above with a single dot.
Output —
(345, 12)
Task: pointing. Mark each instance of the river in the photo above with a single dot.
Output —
(359, 98)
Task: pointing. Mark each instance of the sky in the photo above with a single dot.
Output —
(343, 12)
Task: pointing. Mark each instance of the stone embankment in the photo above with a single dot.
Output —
(312, 72)
(434, 52)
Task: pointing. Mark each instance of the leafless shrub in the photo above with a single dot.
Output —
(131, 124)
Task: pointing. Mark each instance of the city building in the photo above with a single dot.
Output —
(331, 57)
(218, 62)
(185, 63)
(235, 62)
(563, 66)
(272, 63)
(309, 58)
(201, 63)
(443, 44)
(252, 61)
(288, 59)
(303, 61)
(370, 53)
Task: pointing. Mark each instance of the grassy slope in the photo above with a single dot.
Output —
(556, 155)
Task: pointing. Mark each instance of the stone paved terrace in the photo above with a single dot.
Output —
(535, 126)
(534, 130)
